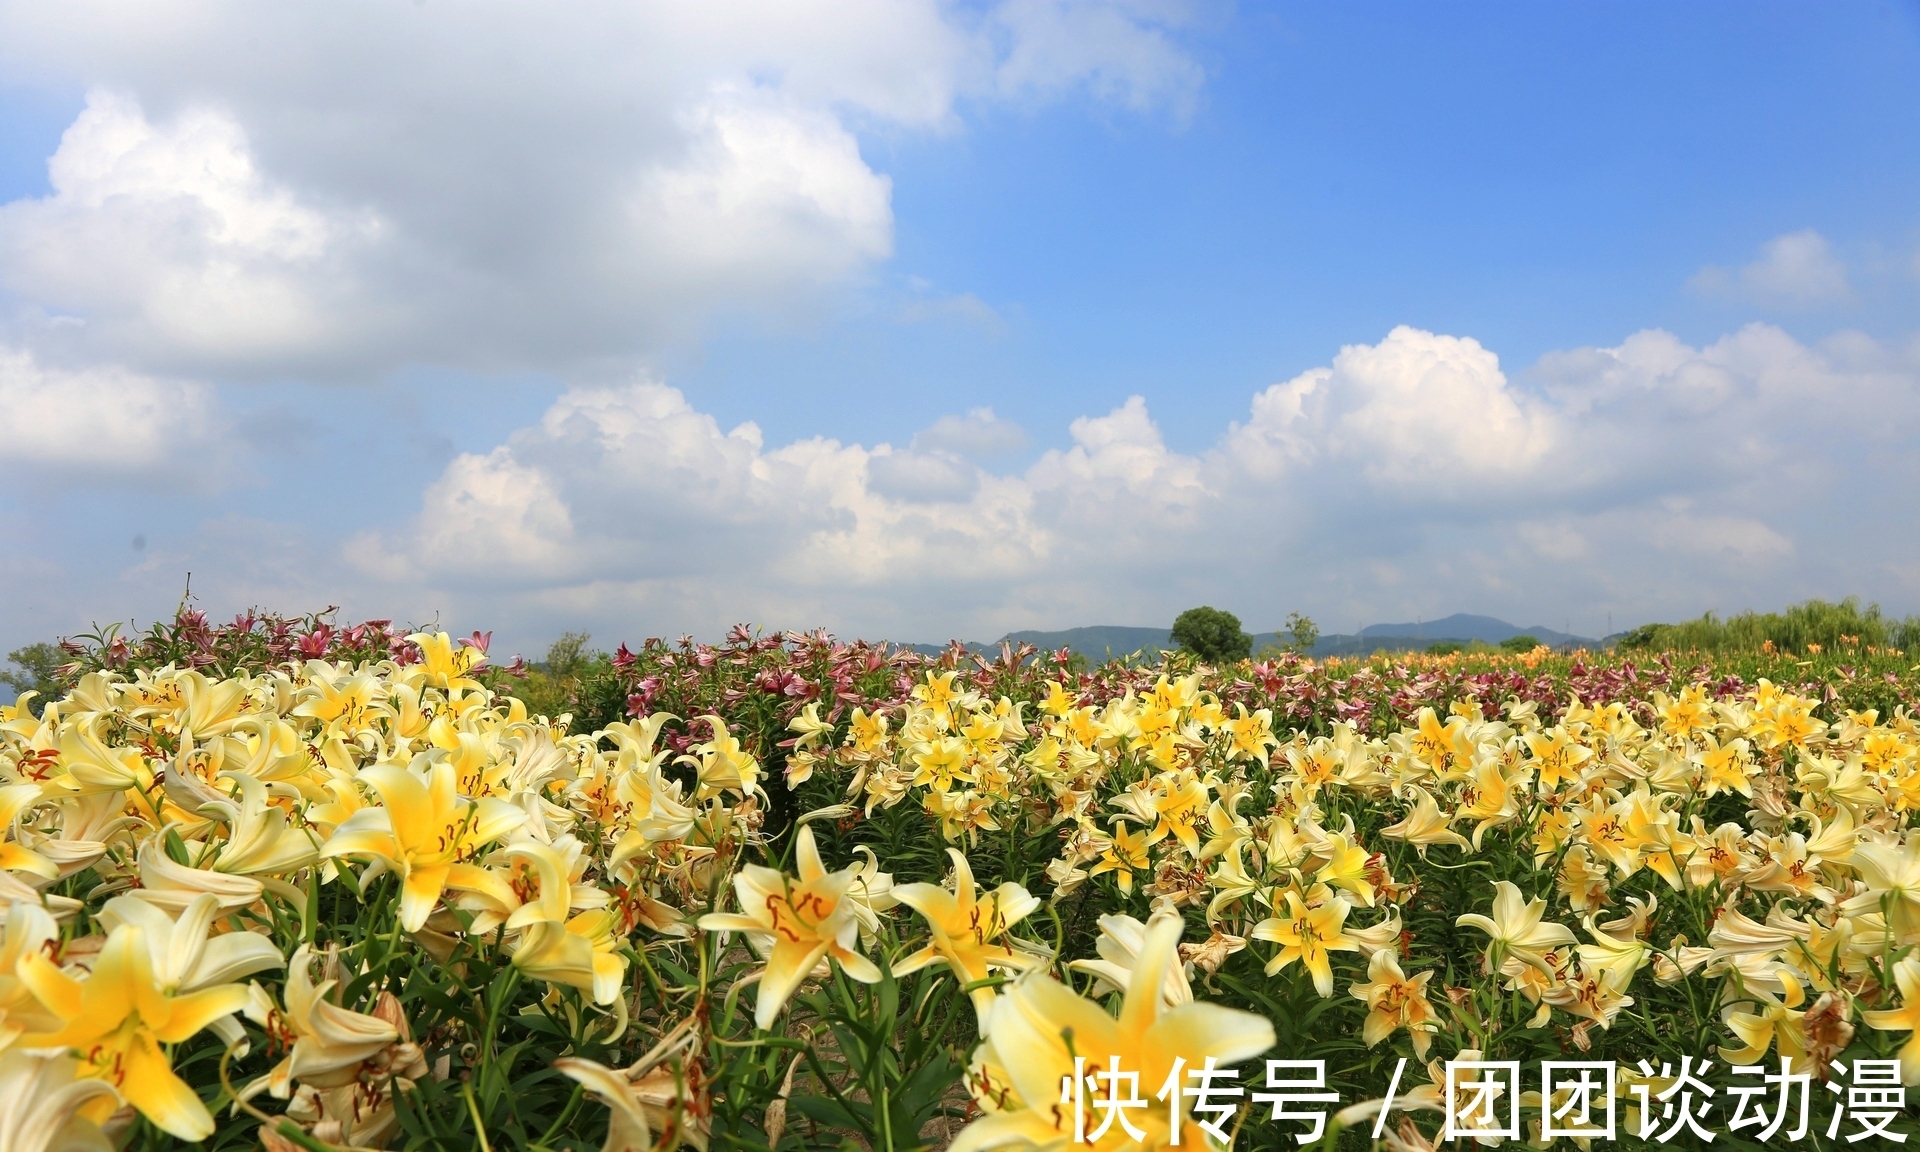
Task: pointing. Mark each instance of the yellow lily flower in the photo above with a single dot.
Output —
(423, 832)
(1346, 866)
(581, 953)
(1557, 757)
(1231, 882)
(1308, 934)
(1126, 852)
(963, 923)
(16, 799)
(118, 1017)
(1776, 1023)
(1425, 826)
(30, 930)
(722, 763)
(537, 882)
(1180, 803)
(796, 922)
(1517, 929)
(181, 956)
(1038, 1028)
(1892, 874)
(1395, 1002)
(445, 665)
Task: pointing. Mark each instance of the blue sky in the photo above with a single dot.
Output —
(1547, 312)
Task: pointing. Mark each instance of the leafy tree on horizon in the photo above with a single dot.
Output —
(35, 669)
(1213, 635)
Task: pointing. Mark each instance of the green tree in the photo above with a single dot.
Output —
(1520, 643)
(1212, 635)
(36, 668)
(1304, 632)
(552, 685)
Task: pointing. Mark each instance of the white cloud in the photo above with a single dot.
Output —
(350, 188)
(1649, 478)
(977, 434)
(1796, 270)
(1423, 413)
(1122, 52)
(95, 422)
(169, 237)
(767, 195)
(1407, 476)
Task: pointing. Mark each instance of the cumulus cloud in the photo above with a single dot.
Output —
(167, 238)
(977, 434)
(498, 185)
(1408, 475)
(72, 424)
(1796, 270)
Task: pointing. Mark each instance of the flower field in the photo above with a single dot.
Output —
(288, 884)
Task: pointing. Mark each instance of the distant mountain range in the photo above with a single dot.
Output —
(1102, 641)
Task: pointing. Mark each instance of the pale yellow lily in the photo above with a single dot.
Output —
(1906, 1018)
(1425, 826)
(722, 763)
(45, 1106)
(1308, 933)
(1039, 1026)
(1517, 928)
(581, 953)
(1395, 1002)
(117, 1019)
(795, 922)
(423, 832)
(329, 1042)
(966, 927)
(15, 800)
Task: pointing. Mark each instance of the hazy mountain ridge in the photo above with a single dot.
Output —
(1103, 640)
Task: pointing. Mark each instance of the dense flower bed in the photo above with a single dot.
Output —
(340, 889)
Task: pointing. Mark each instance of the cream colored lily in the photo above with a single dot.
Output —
(659, 1093)
(1121, 939)
(117, 1019)
(965, 925)
(1038, 1028)
(45, 1107)
(1517, 929)
(329, 1042)
(795, 923)
(1425, 826)
(423, 832)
